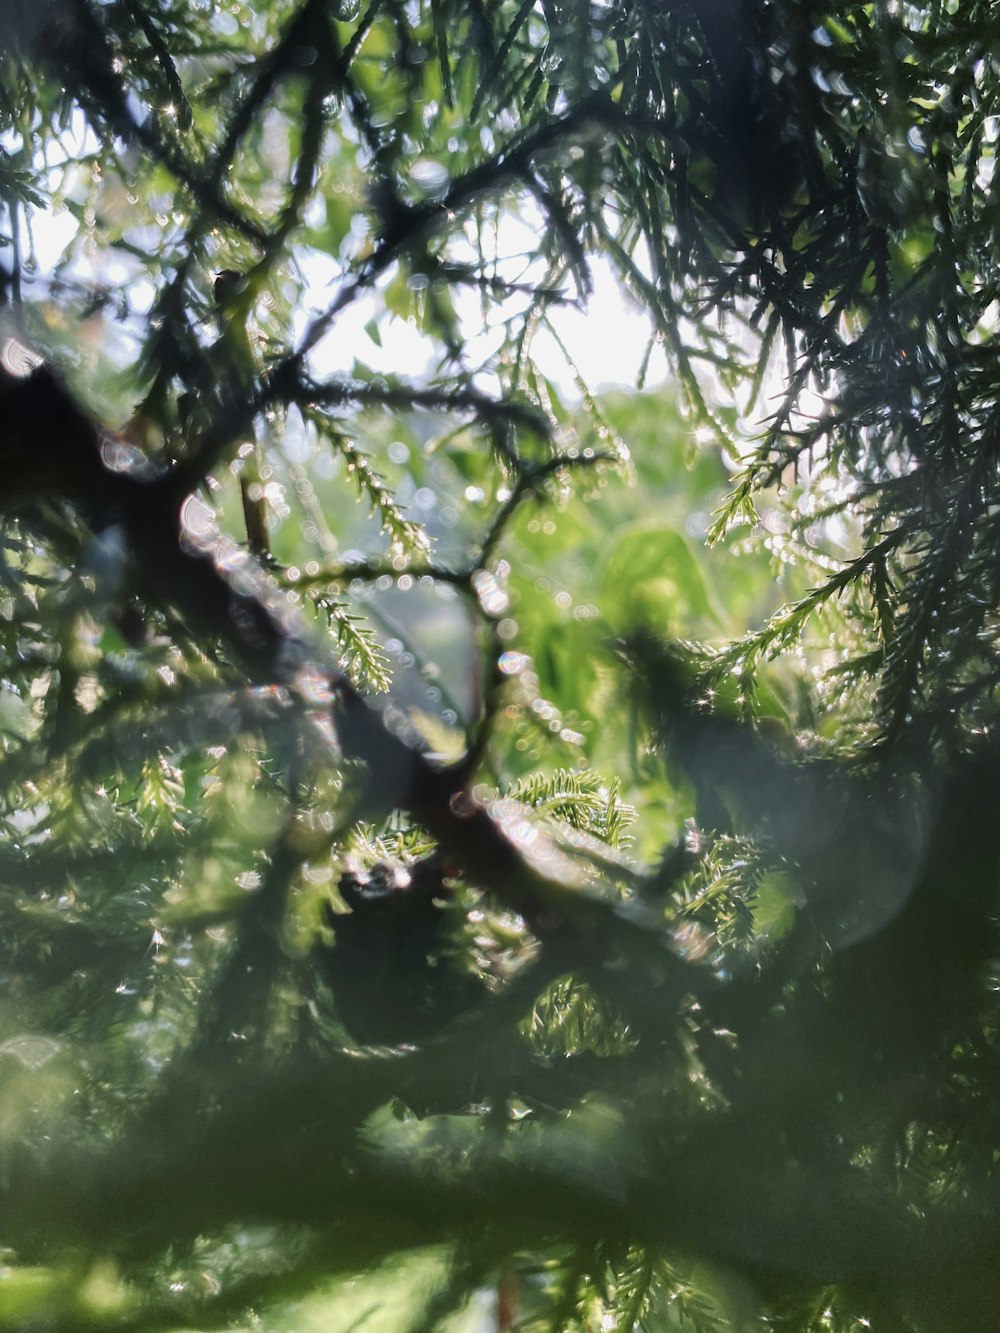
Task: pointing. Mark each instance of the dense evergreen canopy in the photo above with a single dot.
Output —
(558, 891)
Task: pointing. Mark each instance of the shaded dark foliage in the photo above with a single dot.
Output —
(323, 952)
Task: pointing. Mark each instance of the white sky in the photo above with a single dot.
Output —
(607, 341)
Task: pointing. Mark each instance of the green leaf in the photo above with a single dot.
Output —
(650, 575)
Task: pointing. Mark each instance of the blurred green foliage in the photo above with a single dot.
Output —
(701, 1032)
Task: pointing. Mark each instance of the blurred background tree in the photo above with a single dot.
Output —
(441, 889)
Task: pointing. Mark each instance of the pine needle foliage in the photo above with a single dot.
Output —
(449, 900)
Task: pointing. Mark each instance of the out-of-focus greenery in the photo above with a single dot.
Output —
(698, 1030)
